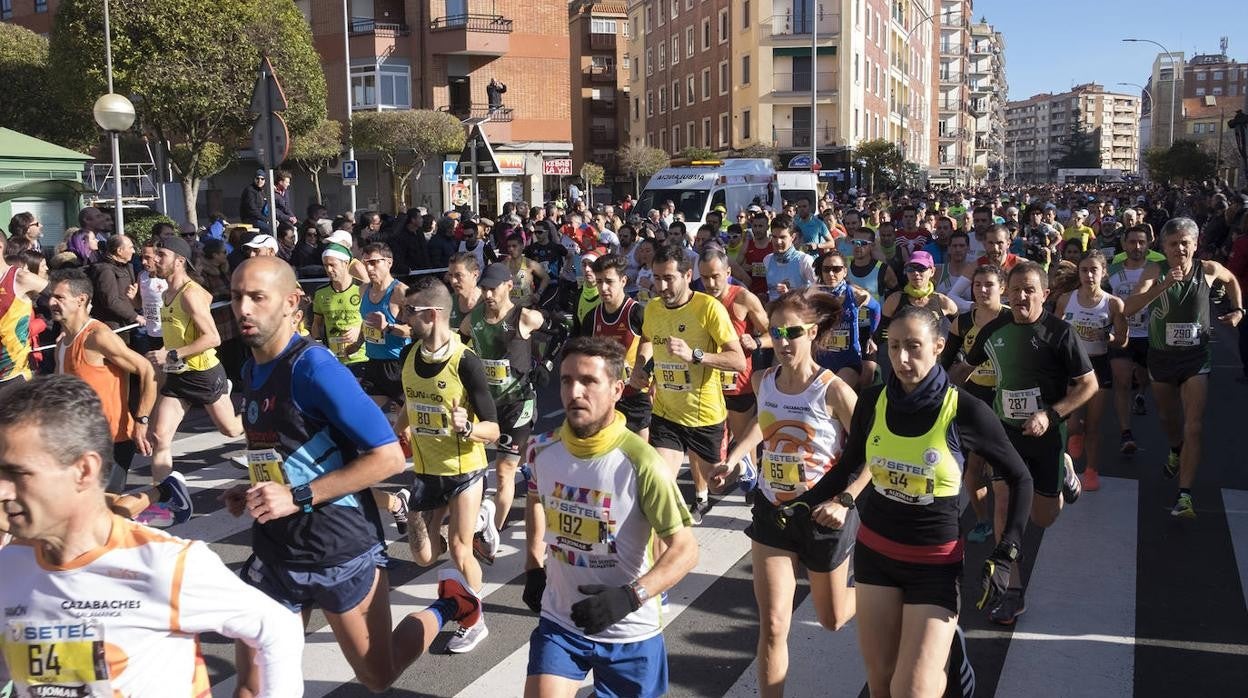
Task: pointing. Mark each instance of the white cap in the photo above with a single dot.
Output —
(341, 237)
(260, 241)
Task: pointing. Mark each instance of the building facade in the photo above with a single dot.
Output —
(598, 34)
(1038, 128)
(989, 93)
(1204, 122)
(955, 120)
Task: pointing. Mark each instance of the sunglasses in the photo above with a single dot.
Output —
(833, 269)
(914, 268)
(862, 243)
(792, 331)
(419, 308)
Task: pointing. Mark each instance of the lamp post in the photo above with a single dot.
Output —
(114, 113)
(1174, 80)
(346, 41)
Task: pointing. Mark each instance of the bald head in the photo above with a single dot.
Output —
(277, 272)
(265, 298)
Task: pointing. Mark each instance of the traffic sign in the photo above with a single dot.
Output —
(269, 137)
(449, 173)
(267, 95)
(477, 146)
(350, 173)
(557, 166)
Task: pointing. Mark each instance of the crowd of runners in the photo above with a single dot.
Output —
(864, 368)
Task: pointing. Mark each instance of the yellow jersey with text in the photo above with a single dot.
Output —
(687, 393)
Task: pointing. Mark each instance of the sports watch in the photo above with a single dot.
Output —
(846, 500)
(697, 356)
(302, 494)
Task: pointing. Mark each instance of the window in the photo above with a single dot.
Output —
(305, 8)
(745, 14)
(1200, 92)
(647, 19)
(387, 86)
(869, 74)
(649, 63)
(6, 9)
(650, 138)
(690, 136)
(723, 77)
(662, 55)
(662, 139)
(868, 22)
(637, 107)
(745, 124)
(634, 30)
(41, 5)
(1202, 76)
(691, 92)
(688, 4)
(675, 138)
(706, 33)
(724, 125)
(663, 100)
(675, 50)
(649, 103)
(1219, 75)
(602, 26)
(745, 69)
(857, 81)
(857, 119)
(1217, 89)
(675, 95)
(675, 8)
(706, 84)
(723, 26)
(660, 14)
(706, 132)
(688, 42)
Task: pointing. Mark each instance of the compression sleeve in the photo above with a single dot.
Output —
(472, 374)
(324, 389)
(211, 598)
(874, 314)
(981, 432)
(960, 294)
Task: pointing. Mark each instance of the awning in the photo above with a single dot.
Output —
(42, 187)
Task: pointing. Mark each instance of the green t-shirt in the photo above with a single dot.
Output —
(1178, 319)
(340, 312)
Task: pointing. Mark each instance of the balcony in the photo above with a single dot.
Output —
(602, 42)
(800, 137)
(788, 25)
(601, 135)
(601, 73)
(470, 35)
(794, 88)
(602, 106)
(952, 78)
(952, 50)
(947, 105)
(463, 112)
(363, 26)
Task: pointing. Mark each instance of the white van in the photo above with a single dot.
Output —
(796, 185)
(735, 184)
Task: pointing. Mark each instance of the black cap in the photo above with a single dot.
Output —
(494, 275)
(178, 246)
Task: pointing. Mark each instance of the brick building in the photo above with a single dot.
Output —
(598, 34)
(1037, 128)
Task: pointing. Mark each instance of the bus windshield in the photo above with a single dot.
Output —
(690, 202)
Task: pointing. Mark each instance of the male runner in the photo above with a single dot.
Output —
(981, 222)
(879, 280)
(997, 250)
(91, 351)
(788, 268)
(620, 318)
(692, 341)
(501, 334)
(151, 290)
(462, 274)
(757, 248)
(336, 310)
(1130, 363)
(73, 556)
(1043, 376)
(529, 278)
(194, 375)
(384, 335)
(1176, 294)
(315, 444)
(449, 419)
(597, 495)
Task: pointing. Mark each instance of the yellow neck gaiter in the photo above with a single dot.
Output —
(599, 443)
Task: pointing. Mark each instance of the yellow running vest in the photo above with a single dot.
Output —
(914, 469)
(436, 449)
(179, 330)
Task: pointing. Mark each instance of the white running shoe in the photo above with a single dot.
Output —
(467, 638)
(486, 527)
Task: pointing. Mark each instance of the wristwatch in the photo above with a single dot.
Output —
(1054, 415)
(302, 494)
(640, 595)
(846, 500)
(143, 420)
(172, 357)
(697, 356)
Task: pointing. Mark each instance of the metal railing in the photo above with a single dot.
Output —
(601, 73)
(800, 137)
(603, 106)
(478, 111)
(603, 135)
(800, 82)
(138, 181)
(363, 26)
(788, 24)
(951, 49)
(493, 24)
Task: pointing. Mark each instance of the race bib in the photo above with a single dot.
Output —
(674, 376)
(903, 482)
(573, 526)
(57, 659)
(1090, 333)
(429, 420)
(864, 316)
(838, 340)
(265, 465)
(338, 345)
(178, 366)
(151, 314)
(783, 471)
(373, 335)
(496, 371)
(1020, 404)
(758, 270)
(1182, 334)
(729, 380)
(984, 370)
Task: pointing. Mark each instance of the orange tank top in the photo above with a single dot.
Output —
(108, 381)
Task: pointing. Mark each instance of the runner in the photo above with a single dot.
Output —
(1043, 375)
(997, 250)
(597, 496)
(788, 268)
(981, 383)
(193, 375)
(693, 341)
(1099, 324)
(919, 292)
(1130, 365)
(910, 436)
(841, 350)
(55, 446)
(384, 335)
(336, 315)
(449, 419)
(18, 287)
(462, 274)
(1176, 294)
(502, 336)
(151, 292)
(620, 318)
(315, 443)
(529, 278)
(953, 277)
(877, 279)
(802, 412)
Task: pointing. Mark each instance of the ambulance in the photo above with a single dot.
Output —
(700, 187)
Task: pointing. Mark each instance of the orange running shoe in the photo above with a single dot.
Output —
(1090, 480)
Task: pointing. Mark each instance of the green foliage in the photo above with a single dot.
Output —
(210, 160)
(642, 160)
(28, 106)
(1183, 161)
(1079, 149)
(593, 174)
(140, 229)
(760, 150)
(694, 152)
(406, 140)
(315, 149)
(881, 161)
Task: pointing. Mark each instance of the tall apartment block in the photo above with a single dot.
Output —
(1037, 128)
(988, 90)
(955, 127)
(599, 33)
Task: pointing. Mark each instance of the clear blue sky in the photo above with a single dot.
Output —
(1053, 45)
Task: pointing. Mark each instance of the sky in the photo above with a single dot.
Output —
(1053, 45)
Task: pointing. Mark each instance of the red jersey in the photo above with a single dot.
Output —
(1011, 259)
(625, 329)
(737, 383)
(754, 266)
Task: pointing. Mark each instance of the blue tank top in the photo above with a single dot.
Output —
(844, 336)
(383, 346)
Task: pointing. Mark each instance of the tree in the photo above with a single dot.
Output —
(695, 152)
(405, 140)
(642, 161)
(1182, 161)
(880, 158)
(314, 149)
(1078, 149)
(760, 150)
(190, 85)
(28, 106)
(593, 175)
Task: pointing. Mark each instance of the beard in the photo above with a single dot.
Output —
(588, 429)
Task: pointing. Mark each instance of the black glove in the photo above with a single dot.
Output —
(534, 586)
(605, 607)
(996, 576)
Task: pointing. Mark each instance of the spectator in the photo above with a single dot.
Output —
(368, 227)
(281, 198)
(26, 228)
(261, 246)
(86, 242)
(307, 251)
(1238, 264)
(116, 287)
(253, 208)
(443, 244)
(216, 228)
(407, 242)
(215, 268)
(285, 240)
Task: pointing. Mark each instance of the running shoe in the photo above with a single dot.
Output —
(1012, 605)
(1074, 445)
(1128, 446)
(1138, 406)
(981, 532)
(1183, 507)
(486, 540)
(156, 516)
(748, 480)
(961, 675)
(698, 509)
(1090, 481)
(400, 513)
(663, 601)
(468, 637)
(1071, 487)
(177, 498)
(1171, 468)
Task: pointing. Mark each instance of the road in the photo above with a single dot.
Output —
(1124, 600)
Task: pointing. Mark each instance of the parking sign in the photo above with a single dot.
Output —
(350, 173)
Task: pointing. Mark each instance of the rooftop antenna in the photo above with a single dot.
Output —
(1223, 44)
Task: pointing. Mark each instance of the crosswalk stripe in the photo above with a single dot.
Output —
(1236, 503)
(1082, 586)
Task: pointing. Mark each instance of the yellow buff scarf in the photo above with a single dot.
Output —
(919, 292)
(599, 443)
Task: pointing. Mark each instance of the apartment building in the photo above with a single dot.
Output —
(598, 34)
(1204, 121)
(1037, 128)
(988, 95)
(954, 134)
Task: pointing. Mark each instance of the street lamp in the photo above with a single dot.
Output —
(114, 113)
(1174, 79)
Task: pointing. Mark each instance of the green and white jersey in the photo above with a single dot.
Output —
(340, 311)
(1034, 363)
(1178, 319)
(602, 509)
